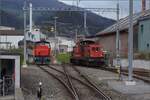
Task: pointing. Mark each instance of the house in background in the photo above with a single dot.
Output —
(63, 44)
(144, 34)
(9, 36)
(63, 48)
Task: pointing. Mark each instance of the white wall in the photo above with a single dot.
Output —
(136, 63)
(13, 39)
(62, 41)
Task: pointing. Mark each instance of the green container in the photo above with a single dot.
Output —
(106, 58)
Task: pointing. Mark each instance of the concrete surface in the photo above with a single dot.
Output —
(120, 86)
(145, 64)
(108, 81)
(18, 94)
(7, 98)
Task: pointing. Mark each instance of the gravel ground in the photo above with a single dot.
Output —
(95, 75)
(52, 89)
(82, 90)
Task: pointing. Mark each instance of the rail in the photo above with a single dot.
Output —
(89, 84)
(60, 80)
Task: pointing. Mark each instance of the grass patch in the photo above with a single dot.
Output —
(142, 56)
(63, 57)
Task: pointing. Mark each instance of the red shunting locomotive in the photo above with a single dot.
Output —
(87, 52)
(42, 52)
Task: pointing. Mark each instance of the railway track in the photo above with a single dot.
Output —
(88, 82)
(73, 94)
(141, 74)
(70, 83)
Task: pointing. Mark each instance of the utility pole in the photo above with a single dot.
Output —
(118, 65)
(25, 15)
(55, 26)
(6, 42)
(0, 32)
(78, 1)
(55, 35)
(30, 29)
(76, 35)
(130, 41)
(0, 19)
(85, 22)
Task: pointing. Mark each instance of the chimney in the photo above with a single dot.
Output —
(143, 5)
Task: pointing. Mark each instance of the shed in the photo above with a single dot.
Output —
(10, 68)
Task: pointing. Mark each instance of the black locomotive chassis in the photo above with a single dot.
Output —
(88, 61)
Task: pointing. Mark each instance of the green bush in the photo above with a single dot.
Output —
(63, 57)
(142, 55)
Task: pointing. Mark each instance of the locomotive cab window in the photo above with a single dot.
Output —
(43, 43)
(97, 48)
(93, 49)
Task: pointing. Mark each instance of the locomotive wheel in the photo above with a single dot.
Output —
(87, 63)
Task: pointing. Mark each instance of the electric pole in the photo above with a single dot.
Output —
(78, 1)
(0, 19)
(30, 24)
(76, 35)
(118, 44)
(25, 15)
(85, 23)
(130, 41)
(55, 34)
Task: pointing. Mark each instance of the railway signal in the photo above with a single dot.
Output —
(39, 91)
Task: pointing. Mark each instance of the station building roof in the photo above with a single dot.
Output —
(8, 52)
(4, 30)
(124, 23)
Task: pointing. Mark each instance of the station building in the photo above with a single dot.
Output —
(144, 34)
(141, 35)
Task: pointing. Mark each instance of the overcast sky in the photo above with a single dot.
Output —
(124, 5)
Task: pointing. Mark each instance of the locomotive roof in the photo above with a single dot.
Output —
(84, 42)
(42, 42)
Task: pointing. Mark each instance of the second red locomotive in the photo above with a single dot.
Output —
(87, 52)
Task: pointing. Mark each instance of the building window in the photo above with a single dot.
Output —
(142, 28)
(147, 45)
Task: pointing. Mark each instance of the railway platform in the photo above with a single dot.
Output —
(138, 88)
(7, 98)
(137, 91)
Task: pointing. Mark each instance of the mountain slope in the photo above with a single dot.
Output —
(13, 9)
